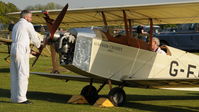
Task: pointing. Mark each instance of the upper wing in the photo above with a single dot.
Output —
(161, 13)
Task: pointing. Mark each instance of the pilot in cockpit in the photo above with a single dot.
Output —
(155, 46)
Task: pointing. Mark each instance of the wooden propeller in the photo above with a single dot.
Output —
(52, 27)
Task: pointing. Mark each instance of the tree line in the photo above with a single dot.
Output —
(6, 8)
(49, 6)
(10, 7)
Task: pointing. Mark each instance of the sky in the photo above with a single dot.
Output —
(22, 4)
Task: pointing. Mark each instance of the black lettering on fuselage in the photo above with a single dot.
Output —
(172, 71)
(189, 70)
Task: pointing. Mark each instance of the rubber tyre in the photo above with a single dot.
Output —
(117, 96)
(90, 93)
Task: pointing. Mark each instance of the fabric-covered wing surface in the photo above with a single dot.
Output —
(130, 83)
(171, 13)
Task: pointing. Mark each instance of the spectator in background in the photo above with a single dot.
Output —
(10, 27)
(141, 33)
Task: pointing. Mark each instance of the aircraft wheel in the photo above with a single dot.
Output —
(90, 93)
(117, 96)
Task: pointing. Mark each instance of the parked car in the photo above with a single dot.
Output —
(185, 37)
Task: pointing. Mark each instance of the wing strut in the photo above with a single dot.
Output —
(122, 40)
(104, 20)
(151, 32)
(126, 24)
(130, 28)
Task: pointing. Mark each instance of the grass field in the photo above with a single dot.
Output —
(51, 95)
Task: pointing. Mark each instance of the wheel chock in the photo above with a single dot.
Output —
(103, 102)
(77, 99)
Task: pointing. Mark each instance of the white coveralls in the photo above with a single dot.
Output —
(23, 33)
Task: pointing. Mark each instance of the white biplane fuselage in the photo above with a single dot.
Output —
(108, 60)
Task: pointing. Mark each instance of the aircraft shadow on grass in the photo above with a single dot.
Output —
(62, 98)
(45, 96)
(158, 108)
(3, 51)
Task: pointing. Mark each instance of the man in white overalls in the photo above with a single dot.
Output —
(22, 35)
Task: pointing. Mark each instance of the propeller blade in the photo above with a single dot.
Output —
(37, 57)
(58, 21)
(48, 20)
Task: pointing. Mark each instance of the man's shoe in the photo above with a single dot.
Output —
(26, 102)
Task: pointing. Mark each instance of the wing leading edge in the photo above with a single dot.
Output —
(129, 83)
(68, 77)
(62, 76)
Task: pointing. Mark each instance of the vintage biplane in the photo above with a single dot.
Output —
(8, 43)
(126, 60)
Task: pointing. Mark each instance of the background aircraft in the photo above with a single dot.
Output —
(124, 61)
(8, 42)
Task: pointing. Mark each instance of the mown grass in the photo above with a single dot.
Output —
(51, 95)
